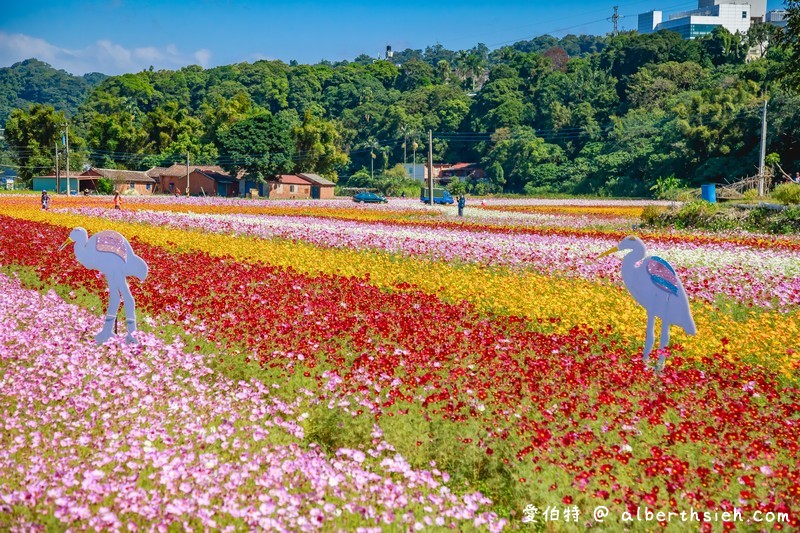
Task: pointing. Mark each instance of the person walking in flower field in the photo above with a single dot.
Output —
(45, 201)
(117, 200)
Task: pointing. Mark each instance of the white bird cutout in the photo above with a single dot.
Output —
(654, 284)
(111, 253)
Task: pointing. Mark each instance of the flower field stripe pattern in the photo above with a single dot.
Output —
(120, 437)
(579, 419)
(768, 337)
(764, 278)
(412, 213)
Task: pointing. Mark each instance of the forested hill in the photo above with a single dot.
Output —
(613, 115)
(35, 82)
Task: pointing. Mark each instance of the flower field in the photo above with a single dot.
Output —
(325, 366)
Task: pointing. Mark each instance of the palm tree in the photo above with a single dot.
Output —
(373, 146)
(403, 129)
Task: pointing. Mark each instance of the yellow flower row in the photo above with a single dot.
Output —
(763, 336)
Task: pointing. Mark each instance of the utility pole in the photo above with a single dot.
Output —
(763, 149)
(187, 174)
(415, 156)
(615, 19)
(66, 137)
(405, 142)
(430, 165)
(58, 171)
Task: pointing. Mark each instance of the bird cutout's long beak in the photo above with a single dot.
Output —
(65, 244)
(608, 252)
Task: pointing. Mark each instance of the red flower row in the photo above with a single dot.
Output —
(577, 402)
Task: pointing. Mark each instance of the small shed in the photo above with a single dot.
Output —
(122, 179)
(286, 186)
(208, 180)
(51, 183)
(213, 183)
(321, 188)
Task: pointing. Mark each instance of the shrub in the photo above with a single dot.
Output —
(667, 188)
(786, 221)
(787, 193)
(750, 194)
(105, 186)
(651, 214)
(695, 214)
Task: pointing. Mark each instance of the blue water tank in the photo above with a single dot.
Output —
(709, 193)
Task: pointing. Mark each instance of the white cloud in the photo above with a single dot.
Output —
(149, 53)
(203, 57)
(102, 56)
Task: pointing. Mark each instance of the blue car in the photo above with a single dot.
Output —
(370, 197)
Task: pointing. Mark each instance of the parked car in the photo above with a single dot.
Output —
(370, 197)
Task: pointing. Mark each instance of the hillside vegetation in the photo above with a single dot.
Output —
(617, 115)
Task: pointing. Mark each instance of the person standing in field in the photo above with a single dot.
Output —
(461, 203)
(45, 201)
(117, 200)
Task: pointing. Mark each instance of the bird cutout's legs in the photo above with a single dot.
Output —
(130, 312)
(113, 299)
(107, 331)
(649, 339)
(111, 312)
(663, 341)
(118, 289)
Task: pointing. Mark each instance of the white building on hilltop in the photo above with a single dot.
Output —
(733, 15)
(778, 17)
(758, 8)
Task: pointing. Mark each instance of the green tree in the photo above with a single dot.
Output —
(220, 113)
(261, 146)
(476, 63)
(723, 47)
(305, 89)
(415, 74)
(500, 103)
(654, 84)
(116, 139)
(720, 125)
(763, 37)
(32, 136)
(166, 122)
(393, 181)
(457, 187)
(105, 186)
(362, 179)
(628, 52)
(519, 152)
(318, 147)
(495, 177)
(791, 42)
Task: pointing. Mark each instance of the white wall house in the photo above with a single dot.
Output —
(777, 17)
(733, 15)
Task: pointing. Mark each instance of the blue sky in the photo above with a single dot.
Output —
(119, 36)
